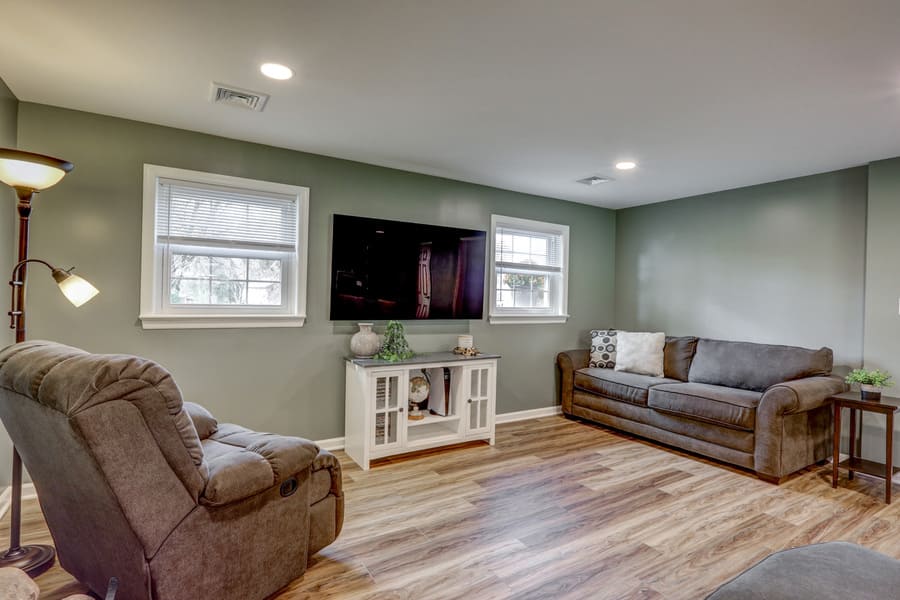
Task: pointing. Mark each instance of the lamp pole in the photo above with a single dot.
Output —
(33, 559)
(27, 173)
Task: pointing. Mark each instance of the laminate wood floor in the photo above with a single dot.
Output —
(560, 509)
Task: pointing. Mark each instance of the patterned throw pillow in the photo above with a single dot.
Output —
(603, 348)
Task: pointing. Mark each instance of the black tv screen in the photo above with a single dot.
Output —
(395, 270)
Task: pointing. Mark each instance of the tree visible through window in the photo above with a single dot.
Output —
(199, 279)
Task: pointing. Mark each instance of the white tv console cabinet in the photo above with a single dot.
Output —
(376, 405)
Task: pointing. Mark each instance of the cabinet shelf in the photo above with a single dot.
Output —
(431, 419)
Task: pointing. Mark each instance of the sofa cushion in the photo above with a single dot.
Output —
(728, 407)
(755, 366)
(640, 352)
(677, 356)
(618, 385)
(603, 348)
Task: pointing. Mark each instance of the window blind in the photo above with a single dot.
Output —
(207, 215)
(520, 250)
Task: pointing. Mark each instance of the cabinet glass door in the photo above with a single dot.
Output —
(388, 410)
(478, 388)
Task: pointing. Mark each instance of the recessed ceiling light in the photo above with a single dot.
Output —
(595, 180)
(276, 71)
(626, 165)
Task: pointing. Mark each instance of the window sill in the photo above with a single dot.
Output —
(526, 319)
(220, 321)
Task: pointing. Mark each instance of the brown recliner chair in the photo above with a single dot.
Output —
(137, 485)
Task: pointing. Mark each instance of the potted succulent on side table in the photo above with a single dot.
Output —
(870, 382)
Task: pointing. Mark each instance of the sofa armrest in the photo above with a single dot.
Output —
(801, 395)
(568, 362)
(248, 462)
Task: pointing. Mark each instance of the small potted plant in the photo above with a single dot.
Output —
(870, 382)
(395, 347)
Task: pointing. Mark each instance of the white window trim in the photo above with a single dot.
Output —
(153, 315)
(521, 316)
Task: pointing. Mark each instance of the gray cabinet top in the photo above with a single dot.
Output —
(420, 358)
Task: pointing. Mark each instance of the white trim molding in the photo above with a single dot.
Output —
(524, 415)
(558, 310)
(331, 444)
(28, 492)
(156, 312)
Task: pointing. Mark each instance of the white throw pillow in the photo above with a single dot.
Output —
(640, 353)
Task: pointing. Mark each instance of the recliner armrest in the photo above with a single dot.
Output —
(243, 463)
(801, 395)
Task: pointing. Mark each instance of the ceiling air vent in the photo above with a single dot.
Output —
(234, 96)
(595, 180)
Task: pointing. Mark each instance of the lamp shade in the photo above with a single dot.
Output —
(76, 289)
(30, 171)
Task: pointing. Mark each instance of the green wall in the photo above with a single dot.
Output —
(9, 114)
(781, 263)
(882, 337)
(289, 381)
(9, 110)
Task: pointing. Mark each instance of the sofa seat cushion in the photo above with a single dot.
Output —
(618, 385)
(728, 407)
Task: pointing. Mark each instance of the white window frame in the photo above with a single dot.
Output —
(158, 313)
(519, 316)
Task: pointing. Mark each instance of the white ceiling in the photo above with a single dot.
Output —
(527, 95)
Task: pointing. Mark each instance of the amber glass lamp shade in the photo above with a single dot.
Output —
(30, 172)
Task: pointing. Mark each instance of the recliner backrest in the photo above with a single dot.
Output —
(107, 442)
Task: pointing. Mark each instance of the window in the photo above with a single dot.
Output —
(529, 271)
(222, 251)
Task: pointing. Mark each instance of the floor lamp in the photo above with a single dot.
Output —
(28, 173)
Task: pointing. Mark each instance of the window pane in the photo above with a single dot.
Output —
(189, 291)
(229, 268)
(228, 292)
(188, 265)
(267, 294)
(225, 280)
(265, 270)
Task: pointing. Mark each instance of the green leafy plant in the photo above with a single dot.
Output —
(874, 377)
(517, 280)
(395, 347)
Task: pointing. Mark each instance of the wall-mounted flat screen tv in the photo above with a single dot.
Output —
(396, 270)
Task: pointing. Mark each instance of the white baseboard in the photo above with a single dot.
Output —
(331, 444)
(28, 492)
(524, 415)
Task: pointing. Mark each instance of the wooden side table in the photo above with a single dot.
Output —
(886, 406)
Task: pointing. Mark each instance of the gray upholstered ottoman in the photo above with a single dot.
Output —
(832, 571)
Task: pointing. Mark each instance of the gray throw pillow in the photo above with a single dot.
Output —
(679, 353)
(603, 349)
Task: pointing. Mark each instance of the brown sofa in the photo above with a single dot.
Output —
(758, 406)
(137, 485)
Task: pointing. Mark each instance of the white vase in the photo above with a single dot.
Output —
(364, 343)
